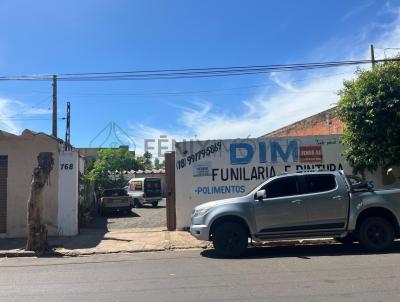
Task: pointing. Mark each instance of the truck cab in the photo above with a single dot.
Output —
(301, 205)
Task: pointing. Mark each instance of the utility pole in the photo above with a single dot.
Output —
(54, 125)
(371, 48)
(68, 128)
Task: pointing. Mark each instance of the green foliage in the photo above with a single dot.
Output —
(369, 107)
(111, 160)
(147, 160)
(159, 165)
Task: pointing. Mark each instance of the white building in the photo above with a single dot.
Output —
(18, 158)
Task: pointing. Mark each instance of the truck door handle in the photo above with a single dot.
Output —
(339, 197)
(296, 201)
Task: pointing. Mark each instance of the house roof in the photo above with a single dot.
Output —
(29, 133)
(322, 123)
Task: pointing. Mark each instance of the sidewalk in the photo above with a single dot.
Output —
(94, 241)
(91, 241)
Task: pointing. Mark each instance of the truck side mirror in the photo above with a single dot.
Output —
(260, 195)
(370, 185)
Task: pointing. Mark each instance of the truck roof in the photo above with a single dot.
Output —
(311, 172)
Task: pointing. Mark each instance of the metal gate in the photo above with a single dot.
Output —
(3, 193)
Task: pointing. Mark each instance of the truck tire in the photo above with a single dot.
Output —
(230, 239)
(137, 204)
(376, 234)
(154, 204)
(347, 240)
(103, 211)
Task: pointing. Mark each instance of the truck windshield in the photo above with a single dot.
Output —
(114, 193)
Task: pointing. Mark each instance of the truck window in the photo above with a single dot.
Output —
(284, 186)
(152, 184)
(319, 183)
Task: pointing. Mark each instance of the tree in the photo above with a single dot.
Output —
(158, 165)
(37, 231)
(147, 160)
(369, 107)
(114, 161)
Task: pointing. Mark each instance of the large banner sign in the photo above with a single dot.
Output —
(219, 169)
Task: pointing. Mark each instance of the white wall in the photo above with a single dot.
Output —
(203, 169)
(68, 193)
(202, 175)
(22, 151)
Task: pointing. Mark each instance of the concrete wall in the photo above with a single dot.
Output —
(22, 152)
(220, 169)
(68, 194)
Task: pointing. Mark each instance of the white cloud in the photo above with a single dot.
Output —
(283, 84)
(5, 111)
(12, 112)
(293, 100)
(359, 9)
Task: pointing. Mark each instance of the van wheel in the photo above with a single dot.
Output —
(376, 234)
(137, 204)
(155, 204)
(230, 239)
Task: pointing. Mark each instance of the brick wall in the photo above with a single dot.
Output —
(323, 123)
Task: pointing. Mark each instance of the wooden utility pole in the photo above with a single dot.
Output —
(37, 231)
(371, 48)
(54, 127)
(68, 128)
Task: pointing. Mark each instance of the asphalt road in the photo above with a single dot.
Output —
(308, 273)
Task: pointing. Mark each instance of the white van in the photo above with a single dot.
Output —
(146, 190)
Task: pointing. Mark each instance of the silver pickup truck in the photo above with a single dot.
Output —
(301, 205)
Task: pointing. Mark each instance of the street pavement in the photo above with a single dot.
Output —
(296, 273)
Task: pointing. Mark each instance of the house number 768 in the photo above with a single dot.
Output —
(67, 166)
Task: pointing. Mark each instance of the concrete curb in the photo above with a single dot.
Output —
(168, 246)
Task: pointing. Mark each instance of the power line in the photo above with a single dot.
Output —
(196, 92)
(28, 118)
(188, 73)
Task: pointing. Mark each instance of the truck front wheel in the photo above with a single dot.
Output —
(376, 234)
(347, 240)
(230, 239)
(137, 204)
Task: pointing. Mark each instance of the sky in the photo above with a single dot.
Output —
(55, 37)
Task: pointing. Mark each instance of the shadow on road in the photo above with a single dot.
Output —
(303, 251)
(146, 206)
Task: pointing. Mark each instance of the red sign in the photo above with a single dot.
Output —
(310, 154)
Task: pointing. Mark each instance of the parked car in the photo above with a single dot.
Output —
(301, 205)
(145, 190)
(114, 200)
